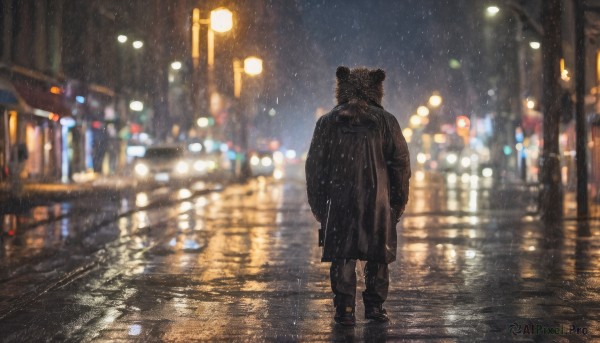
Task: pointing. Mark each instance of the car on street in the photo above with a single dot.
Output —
(262, 163)
(164, 163)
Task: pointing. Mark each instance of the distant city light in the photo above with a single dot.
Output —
(439, 138)
(136, 105)
(451, 158)
(435, 100)
(290, 154)
(176, 65)
(80, 99)
(535, 45)
(421, 158)
(195, 147)
(492, 10)
(465, 162)
(530, 104)
(122, 39)
(423, 111)
(138, 44)
(454, 63)
(415, 120)
(203, 122)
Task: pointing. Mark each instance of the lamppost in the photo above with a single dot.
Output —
(511, 127)
(220, 20)
(252, 66)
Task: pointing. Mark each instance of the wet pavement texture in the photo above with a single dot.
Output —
(241, 263)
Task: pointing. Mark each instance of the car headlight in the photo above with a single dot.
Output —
(182, 167)
(266, 161)
(200, 166)
(141, 169)
(254, 160)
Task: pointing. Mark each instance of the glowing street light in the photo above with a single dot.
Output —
(491, 11)
(122, 39)
(423, 111)
(415, 120)
(176, 65)
(253, 66)
(138, 44)
(136, 105)
(203, 122)
(221, 20)
(535, 45)
(435, 100)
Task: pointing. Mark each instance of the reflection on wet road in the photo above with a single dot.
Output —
(242, 263)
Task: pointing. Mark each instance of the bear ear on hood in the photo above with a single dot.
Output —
(342, 73)
(377, 75)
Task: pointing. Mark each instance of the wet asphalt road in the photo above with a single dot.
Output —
(240, 263)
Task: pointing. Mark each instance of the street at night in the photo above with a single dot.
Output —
(299, 171)
(239, 263)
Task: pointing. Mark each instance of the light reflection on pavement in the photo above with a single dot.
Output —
(242, 264)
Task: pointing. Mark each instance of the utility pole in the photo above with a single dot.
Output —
(582, 177)
(551, 195)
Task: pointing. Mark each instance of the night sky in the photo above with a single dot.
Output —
(412, 40)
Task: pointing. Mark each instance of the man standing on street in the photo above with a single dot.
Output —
(357, 173)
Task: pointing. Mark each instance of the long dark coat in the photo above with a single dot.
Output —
(357, 182)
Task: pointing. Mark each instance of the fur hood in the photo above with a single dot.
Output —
(359, 86)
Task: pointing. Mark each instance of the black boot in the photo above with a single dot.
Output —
(376, 313)
(344, 315)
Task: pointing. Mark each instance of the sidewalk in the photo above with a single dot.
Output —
(35, 193)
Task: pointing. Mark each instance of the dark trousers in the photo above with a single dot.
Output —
(343, 283)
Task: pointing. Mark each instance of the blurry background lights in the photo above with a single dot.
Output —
(253, 65)
(421, 158)
(136, 105)
(423, 111)
(492, 10)
(203, 122)
(530, 104)
(451, 158)
(122, 38)
(465, 162)
(221, 20)
(176, 65)
(535, 45)
(290, 154)
(435, 100)
(415, 120)
(487, 172)
(138, 44)
(407, 133)
(462, 122)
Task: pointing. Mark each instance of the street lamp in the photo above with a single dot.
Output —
(435, 100)
(253, 66)
(491, 11)
(220, 20)
(138, 44)
(122, 38)
(176, 65)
